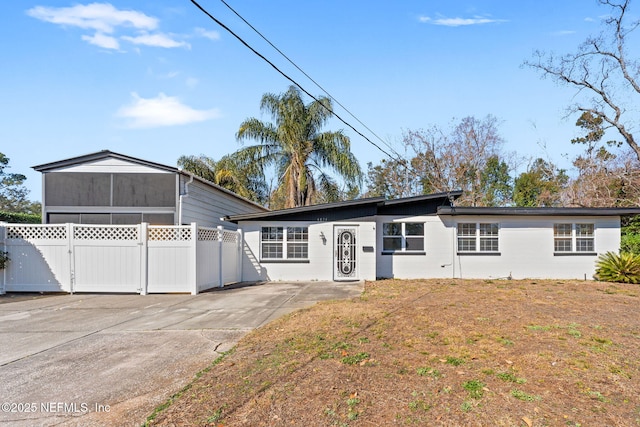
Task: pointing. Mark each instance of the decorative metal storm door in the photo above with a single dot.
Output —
(345, 253)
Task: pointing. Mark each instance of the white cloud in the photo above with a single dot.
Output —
(162, 110)
(156, 40)
(588, 19)
(458, 22)
(563, 33)
(106, 20)
(211, 35)
(102, 40)
(102, 17)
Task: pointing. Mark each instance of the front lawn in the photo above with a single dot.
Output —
(434, 352)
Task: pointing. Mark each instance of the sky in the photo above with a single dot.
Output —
(157, 79)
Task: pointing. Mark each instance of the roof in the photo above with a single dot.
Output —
(350, 209)
(104, 154)
(449, 210)
(305, 210)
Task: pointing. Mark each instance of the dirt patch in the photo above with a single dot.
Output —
(434, 352)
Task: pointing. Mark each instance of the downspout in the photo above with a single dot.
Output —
(182, 197)
(43, 206)
(454, 243)
(453, 250)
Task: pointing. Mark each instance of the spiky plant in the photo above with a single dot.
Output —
(623, 267)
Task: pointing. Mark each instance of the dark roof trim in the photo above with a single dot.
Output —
(306, 209)
(377, 202)
(451, 195)
(451, 211)
(104, 154)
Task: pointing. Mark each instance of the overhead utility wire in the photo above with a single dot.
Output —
(288, 78)
(308, 76)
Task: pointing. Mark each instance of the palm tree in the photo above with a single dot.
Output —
(302, 155)
(246, 180)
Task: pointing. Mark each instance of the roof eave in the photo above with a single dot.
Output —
(486, 211)
(451, 195)
(377, 201)
(302, 209)
(98, 156)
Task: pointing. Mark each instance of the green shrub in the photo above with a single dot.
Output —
(623, 267)
(630, 243)
(19, 218)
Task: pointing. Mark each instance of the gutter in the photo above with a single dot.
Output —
(182, 197)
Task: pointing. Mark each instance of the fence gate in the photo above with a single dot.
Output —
(106, 258)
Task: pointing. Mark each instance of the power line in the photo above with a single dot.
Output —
(213, 18)
(308, 76)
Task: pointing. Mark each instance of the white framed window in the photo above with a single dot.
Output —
(403, 237)
(573, 238)
(272, 243)
(297, 242)
(281, 243)
(482, 237)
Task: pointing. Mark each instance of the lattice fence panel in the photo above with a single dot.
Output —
(208, 234)
(105, 233)
(229, 236)
(169, 233)
(37, 232)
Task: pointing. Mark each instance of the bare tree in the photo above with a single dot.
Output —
(605, 179)
(469, 157)
(602, 71)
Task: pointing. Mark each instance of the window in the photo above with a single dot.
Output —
(392, 237)
(297, 242)
(467, 237)
(572, 238)
(272, 242)
(144, 189)
(403, 237)
(77, 189)
(276, 242)
(480, 237)
(563, 240)
(105, 189)
(488, 237)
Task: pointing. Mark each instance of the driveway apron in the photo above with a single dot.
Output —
(92, 359)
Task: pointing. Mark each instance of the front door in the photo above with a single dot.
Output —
(345, 250)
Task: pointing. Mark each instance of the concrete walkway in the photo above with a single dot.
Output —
(94, 359)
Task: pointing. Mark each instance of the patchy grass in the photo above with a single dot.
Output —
(432, 352)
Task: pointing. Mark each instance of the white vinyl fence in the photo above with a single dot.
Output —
(112, 258)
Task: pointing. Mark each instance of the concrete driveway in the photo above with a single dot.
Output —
(95, 359)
